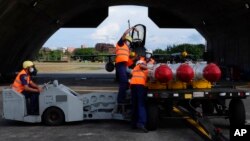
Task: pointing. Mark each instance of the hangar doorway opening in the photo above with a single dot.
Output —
(67, 41)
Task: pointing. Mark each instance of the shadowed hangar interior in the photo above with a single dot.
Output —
(25, 25)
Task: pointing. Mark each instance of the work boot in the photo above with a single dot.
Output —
(125, 101)
(143, 129)
(119, 108)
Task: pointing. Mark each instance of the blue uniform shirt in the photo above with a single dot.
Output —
(23, 79)
(120, 42)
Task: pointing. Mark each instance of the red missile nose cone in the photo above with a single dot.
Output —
(163, 74)
(185, 73)
(212, 72)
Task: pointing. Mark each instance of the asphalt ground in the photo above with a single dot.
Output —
(98, 130)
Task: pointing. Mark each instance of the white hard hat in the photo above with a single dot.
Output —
(149, 51)
(27, 64)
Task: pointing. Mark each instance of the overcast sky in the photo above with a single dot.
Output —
(112, 28)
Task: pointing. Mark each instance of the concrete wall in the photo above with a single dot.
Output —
(26, 24)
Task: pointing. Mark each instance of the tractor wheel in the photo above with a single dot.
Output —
(53, 116)
(153, 117)
(237, 114)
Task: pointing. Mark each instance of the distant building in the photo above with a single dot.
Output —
(70, 49)
(61, 49)
(111, 50)
(45, 49)
(83, 46)
(104, 47)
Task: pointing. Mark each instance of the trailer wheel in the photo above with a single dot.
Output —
(237, 114)
(168, 107)
(207, 107)
(53, 116)
(153, 117)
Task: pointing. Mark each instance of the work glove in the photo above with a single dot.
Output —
(139, 62)
(128, 70)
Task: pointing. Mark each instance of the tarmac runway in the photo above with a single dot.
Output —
(100, 130)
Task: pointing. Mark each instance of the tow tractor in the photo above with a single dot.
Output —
(58, 104)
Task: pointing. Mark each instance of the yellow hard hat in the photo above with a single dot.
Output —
(184, 54)
(129, 38)
(27, 64)
(132, 54)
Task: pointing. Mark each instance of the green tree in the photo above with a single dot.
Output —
(196, 50)
(86, 53)
(159, 51)
(55, 55)
(43, 54)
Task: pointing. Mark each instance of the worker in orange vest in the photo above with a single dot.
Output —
(122, 57)
(24, 85)
(137, 85)
(149, 60)
(148, 57)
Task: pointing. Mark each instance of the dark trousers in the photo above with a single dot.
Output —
(123, 81)
(32, 102)
(138, 97)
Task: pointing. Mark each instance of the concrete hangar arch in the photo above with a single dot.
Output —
(26, 24)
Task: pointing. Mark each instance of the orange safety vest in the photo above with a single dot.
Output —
(17, 85)
(151, 61)
(138, 75)
(122, 53)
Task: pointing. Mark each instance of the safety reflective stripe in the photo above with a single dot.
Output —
(121, 48)
(122, 51)
(121, 54)
(138, 76)
(18, 81)
(137, 70)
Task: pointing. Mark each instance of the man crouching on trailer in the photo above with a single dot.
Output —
(23, 84)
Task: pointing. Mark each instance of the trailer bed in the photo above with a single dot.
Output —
(213, 93)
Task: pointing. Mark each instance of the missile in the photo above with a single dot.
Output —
(212, 72)
(182, 72)
(161, 73)
(185, 73)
